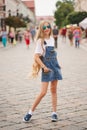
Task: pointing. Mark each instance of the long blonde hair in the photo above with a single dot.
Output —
(40, 35)
(40, 32)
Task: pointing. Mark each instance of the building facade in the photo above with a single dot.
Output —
(51, 19)
(81, 5)
(2, 12)
(30, 4)
(14, 8)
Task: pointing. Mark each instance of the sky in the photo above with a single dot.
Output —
(45, 7)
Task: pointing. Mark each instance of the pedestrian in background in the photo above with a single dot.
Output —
(20, 36)
(86, 33)
(17, 36)
(0, 35)
(46, 57)
(63, 33)
(55, 35)
(4, 36)
(70, 36)
(33, 32)
(11, 36)
(77, 36)
(27, 38)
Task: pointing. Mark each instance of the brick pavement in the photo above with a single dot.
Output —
(84, 44)
(17, 92)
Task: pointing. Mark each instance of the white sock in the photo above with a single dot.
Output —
(30, 112)
(54, 113)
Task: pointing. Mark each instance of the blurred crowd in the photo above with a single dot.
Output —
(13, 37)
(73, 33)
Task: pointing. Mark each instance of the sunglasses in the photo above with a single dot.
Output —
(45, 27)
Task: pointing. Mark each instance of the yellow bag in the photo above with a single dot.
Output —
(14, 42)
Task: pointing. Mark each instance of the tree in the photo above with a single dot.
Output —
(76, 17)
(27, 19)
(14, 21)
(64, 7)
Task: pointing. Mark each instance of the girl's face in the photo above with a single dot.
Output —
(46, 29)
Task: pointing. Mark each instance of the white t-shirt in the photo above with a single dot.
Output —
(40, 49)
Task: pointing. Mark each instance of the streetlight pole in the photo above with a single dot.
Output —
(9, 12)
(17, 11)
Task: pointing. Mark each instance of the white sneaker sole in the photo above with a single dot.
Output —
(25, 121)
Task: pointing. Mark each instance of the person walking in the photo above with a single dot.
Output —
(70, 36)
(4, 37)
(46, 57)
(27, 37)
(11, 36)
(33, 32)
(63, 33)
(0, 35)
(55, 35)
(77, 36)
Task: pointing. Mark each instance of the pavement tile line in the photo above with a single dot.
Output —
(84, 47)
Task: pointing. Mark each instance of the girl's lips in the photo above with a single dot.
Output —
(46, 30)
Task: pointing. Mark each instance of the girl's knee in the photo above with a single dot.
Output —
(42, 94)
(53, 91)
(53, 88)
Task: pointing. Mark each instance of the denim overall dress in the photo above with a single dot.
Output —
(50, 60)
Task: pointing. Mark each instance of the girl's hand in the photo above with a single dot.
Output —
(46, 69)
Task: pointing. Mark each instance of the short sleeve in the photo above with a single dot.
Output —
(38, 49)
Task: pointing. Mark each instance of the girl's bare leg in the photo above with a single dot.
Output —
(40, 96)
(54, 94)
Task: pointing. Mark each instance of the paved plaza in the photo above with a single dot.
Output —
(17, 91)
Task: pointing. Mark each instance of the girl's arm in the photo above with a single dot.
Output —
(39, 61)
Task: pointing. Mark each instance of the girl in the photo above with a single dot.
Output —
(46, 58)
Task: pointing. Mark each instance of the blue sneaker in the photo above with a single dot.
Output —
(27, 117)
(54, 118)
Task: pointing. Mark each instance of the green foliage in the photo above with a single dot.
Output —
(76, 17)
(14, 21)
(27, 19)
(63, 8)
(65, 13)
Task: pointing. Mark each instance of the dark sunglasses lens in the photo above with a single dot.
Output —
(44, 27)
(48, 26)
